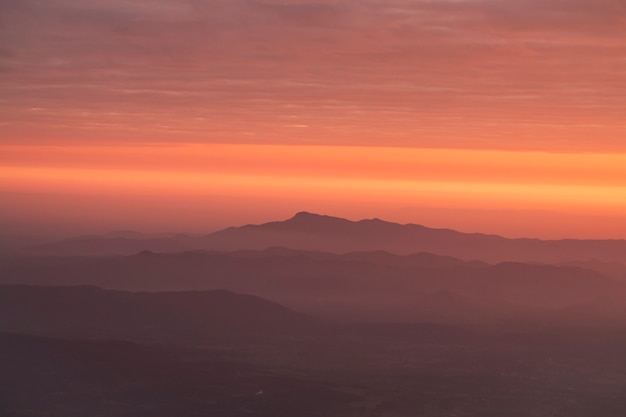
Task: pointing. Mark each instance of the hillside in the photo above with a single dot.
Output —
(185, 316)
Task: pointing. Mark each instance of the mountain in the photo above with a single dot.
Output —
(615, 270)
(316, 232)
(185, 316)
(313, 232)
(374, 285)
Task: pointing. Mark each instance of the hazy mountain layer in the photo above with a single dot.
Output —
(331, 234)
(356, 285)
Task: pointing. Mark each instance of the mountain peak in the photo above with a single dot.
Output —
(305, 214)
(307, 217)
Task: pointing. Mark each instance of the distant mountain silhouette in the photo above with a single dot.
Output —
(316, 232)
(106, 245)
(379, 257)
(313, 232)
(85, 311)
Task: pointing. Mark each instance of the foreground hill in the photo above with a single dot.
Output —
(188, 316)
(384, 371)
(314, 232)
(49, 377)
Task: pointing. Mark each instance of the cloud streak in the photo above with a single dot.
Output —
(494, 74)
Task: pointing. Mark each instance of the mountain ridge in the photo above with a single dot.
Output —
(142, 315)
(309, 231)
(372, 284)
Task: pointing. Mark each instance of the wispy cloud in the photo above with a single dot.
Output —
(543, 74)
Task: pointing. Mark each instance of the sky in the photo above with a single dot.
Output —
(498, 116)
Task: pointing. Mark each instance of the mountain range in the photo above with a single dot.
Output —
(368, 285)
(313, 316)
(315, 232)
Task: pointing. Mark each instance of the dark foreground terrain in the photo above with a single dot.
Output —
(327, 369)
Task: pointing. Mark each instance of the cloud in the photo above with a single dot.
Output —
(486, 73)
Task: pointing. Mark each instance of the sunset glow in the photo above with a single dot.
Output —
(359, 179)
(489, 116)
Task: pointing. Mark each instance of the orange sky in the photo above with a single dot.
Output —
(466, 189)
(482, 115)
